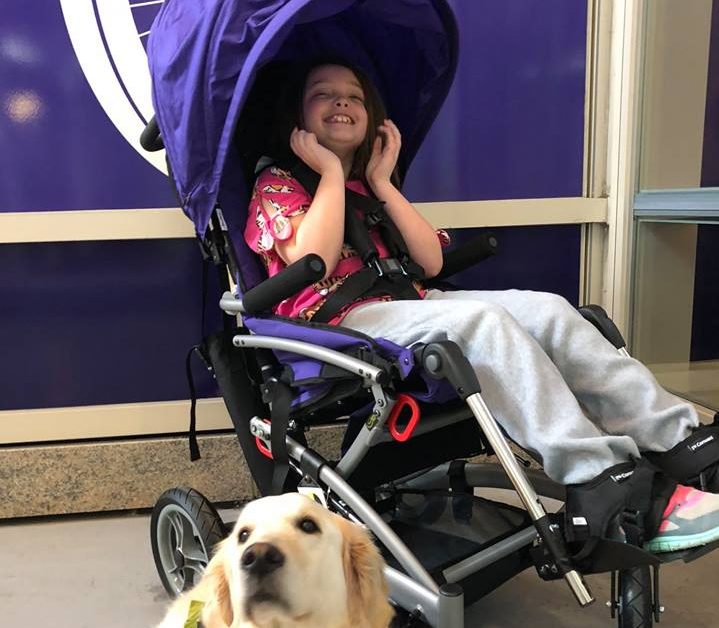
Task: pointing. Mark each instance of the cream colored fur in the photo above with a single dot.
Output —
(332, 578)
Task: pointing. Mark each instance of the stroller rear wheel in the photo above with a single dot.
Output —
(184, 528)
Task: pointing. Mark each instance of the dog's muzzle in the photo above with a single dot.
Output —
(261, 559)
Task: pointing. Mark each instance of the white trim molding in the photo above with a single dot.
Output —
(109, 421)
(94, 224)
(596, 99)
(515, 212)
(141, 224)
(622, 153)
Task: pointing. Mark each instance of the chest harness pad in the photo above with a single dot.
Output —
(392, 276)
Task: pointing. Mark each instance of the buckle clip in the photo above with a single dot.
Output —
(388, 266)
(373, 218)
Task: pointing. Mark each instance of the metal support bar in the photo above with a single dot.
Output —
(451, 606)
(353, 365)
(370, 433)
(492, 554)
(519, 480)
(411, 596)
(230, 304)
(367, 514)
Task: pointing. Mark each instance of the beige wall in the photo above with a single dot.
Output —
(676, 63)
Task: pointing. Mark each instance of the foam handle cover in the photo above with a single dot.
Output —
(297, 276)
(477, 249)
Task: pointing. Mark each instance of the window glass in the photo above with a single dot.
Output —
(676, 306)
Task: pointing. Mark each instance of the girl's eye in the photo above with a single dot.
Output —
(244, 535)
(357, 98)
(308, 526)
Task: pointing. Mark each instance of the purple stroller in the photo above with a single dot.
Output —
(413, 415)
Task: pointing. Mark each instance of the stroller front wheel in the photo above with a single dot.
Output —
(184, 528)
(636, 606)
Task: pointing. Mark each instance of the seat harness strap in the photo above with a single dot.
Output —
(392, 276)
(281, 403)
(192, 431)
(215, 248)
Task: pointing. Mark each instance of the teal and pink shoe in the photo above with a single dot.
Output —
(691, 519)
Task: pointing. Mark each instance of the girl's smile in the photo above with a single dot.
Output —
(339, 118)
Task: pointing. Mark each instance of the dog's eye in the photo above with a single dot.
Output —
(308, 526)
(244, 535)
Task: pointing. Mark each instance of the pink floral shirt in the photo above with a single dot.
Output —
(288, 198)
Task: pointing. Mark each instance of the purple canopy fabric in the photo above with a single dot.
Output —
(205, 54)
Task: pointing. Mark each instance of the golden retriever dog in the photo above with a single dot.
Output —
(290, 563)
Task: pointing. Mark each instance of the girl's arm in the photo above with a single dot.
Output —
(420, 237)
(321, 229)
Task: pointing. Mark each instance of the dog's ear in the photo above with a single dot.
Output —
(217, 578)
(364, 576)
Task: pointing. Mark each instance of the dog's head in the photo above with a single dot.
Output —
(290, 562)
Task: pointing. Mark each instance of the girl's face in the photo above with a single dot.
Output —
(333, 108)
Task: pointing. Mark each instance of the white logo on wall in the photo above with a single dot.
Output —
(123, 90)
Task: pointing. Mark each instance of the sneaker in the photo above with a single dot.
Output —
(690, 519)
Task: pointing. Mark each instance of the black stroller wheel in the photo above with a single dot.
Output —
(184, 529)
(636, 607)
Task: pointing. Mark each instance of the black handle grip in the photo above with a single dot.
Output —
(298, 275)
(151, 140)
(477, 249)
(598, 317)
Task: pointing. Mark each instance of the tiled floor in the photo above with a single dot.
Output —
(98, 571)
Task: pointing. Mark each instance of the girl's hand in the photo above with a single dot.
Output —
(309, 150)
(383, 159)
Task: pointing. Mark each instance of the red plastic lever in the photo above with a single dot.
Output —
(403, 401)
(264, 449)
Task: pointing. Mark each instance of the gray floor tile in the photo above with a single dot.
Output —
(98, 571)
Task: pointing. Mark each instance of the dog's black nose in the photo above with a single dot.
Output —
(260, 559)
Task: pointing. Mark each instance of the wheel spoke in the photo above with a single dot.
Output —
(195, 554)
(177, 523)
(198, 566)
(174, 569)
(177, 575)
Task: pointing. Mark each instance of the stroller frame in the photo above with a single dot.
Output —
(440, 605)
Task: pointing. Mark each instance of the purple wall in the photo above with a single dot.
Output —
(513, 125)
(66, 155)
(529, 258)
(99, 322)
(705, 316)
(110, 322)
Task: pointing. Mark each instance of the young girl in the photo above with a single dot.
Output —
(543, 369)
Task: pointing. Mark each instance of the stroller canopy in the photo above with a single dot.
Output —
(204, 57)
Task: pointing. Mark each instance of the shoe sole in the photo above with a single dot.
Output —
(676, 543)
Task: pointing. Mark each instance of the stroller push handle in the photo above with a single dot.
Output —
(476, 250)
(150, 139)
(297, 276)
